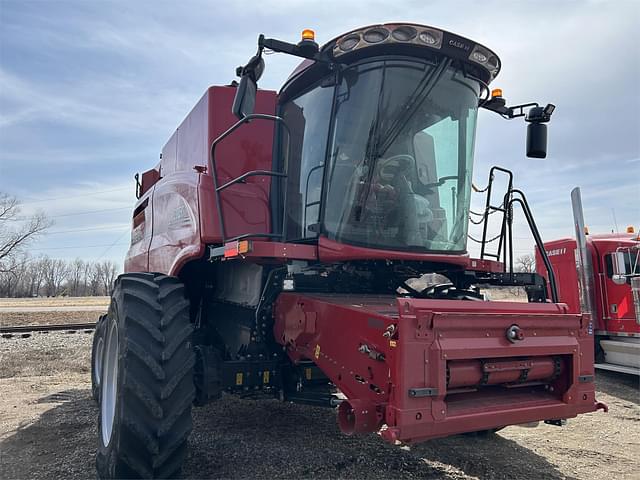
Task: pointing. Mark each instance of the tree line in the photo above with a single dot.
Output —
(52, 277)
(22, 275)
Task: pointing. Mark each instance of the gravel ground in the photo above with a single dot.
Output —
(47, 430)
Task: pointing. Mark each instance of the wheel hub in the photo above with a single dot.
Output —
(109, 382)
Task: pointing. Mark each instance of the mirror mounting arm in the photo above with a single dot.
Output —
(304, 49)
(536, 114)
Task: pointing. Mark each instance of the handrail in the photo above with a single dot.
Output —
(504, 217)
(252, 173)
(506, 232)
(219, 188)
(539, 243)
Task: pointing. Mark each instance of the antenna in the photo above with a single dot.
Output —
(615, 222)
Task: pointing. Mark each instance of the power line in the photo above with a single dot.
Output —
(89, 229)
(88, 212)
(38, 200)
(81, 246)
(78, 213)
(113, 244)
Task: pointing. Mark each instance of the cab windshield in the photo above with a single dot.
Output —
(400, 156)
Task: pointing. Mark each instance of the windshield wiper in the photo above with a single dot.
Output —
(415, 100)
(371, 151)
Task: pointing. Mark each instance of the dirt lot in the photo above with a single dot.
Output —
(31, 311)
(47, 430)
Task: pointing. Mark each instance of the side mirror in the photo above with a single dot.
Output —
(537, 130)
(245, 100)
(622, 264)
(536, 140)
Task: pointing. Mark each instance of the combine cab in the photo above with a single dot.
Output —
(311, 245)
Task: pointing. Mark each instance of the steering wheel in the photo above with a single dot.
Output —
(402, 162)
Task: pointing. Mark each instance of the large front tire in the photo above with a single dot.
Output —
(147, 379)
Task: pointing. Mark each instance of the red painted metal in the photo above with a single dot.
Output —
(380, 349)
(473, 373)
(180, 216)
(330, 251)
(282, 251)
(149, 178)
(606, 293)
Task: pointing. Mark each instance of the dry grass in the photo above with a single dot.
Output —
(48, 318)
(55, 302)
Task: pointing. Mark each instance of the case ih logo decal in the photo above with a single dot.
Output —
(556, 251)
(459, 44)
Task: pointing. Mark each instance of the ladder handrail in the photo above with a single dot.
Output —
(219, 188)
(539, 243)
(506, 232)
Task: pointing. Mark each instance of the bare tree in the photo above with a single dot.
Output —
(109, 273)
(526, 263)
(55, 273)
(94, 279)
(36, 275)
(16, 232)
(75, 277)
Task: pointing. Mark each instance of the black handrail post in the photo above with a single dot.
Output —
(539, 244)
(486, 214)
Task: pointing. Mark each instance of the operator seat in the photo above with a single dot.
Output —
(425, 155)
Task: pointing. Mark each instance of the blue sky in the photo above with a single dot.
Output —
(91, 90)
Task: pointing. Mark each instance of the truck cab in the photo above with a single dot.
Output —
(612, 290)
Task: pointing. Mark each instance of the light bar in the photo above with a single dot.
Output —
(381, 34)
(485, 58)
(414, 35)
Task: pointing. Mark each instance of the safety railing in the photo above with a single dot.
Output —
(253, 173)
(505, 238)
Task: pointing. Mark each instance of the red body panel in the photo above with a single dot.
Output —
(141, 233)
(561, 253)
(330, 251)
(430, 339)
(180, 215)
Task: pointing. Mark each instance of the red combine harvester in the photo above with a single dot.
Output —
(600, 275)
(315, 251)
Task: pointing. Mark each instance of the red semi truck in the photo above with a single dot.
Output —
(284, 245)
(600, 275)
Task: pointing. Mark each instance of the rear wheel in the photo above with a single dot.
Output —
(96, 358)
(147, 379)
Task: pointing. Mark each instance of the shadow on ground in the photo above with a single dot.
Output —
(59, 444)
(621, 385)
(249, 439)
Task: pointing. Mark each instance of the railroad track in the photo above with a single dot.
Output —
(25, 331)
